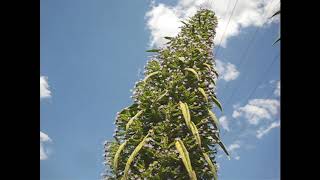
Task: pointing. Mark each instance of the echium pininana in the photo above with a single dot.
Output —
(170, 131)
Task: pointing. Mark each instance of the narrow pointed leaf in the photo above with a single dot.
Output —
(193, 72)
(223, 147)
(211, 165)
(203, 93)
(276, 13)
(185, 112)
(207, 65)
(169, 38)
(150, 75)
(213, 117)
(185, 158)
(116, 157)
(195, 132)
(161, 96)
(153, 50)
(276, 41)
(133, 118)
(132, 156)
(215, 100)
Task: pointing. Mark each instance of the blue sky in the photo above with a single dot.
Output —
(93, 51)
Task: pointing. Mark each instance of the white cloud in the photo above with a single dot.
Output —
(224, 123)
(44, 87)
(164, 20)
(227, 71)
(232, 149)
(43, 152)
(277, 91)
(263, 131)
(257, 109)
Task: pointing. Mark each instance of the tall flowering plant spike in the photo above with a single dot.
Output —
(170, 130)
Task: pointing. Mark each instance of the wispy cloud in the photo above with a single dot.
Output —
(263, 131)
(44, 93)
(277, 91)
(224, 123)
(44, 87)
(227, 71)
(257, 109)
(232, 148)
(164, 20)
(43, 152)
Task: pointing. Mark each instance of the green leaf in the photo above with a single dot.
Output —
(169, 38)
(116, 157)
(133, 118)
(185, 112)
(193, 72)
(132, 156)
(203, 93)
(150, 75)
(161, 96)
(211, 165)
(153, 50)
(207, 65)
(214, 118)
(215, 100)
(195, 132)
(185, 158)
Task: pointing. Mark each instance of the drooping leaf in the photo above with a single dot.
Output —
(193, 72)
(116, 157)
(213, 117)
(153, 50)
(223, 147)
(169, 38)
(276, 13)
(185, 158)
(133, 118)
(132, 156)
(161, 96)
(201, 90)
(276, 41)
(150, 75)
(207, 65)
(215, 100)
(195, 132)
(185, 112)
(211, 165)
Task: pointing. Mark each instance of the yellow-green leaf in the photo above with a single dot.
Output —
(185, 158)
(215, 100)
(211, 165)
(203, 93)
(207, 65)
(213, 117)
(193, 72)
(195, 132)
(116, 157)
(161, 96)
(150, 75)
(132, 156)
(133, 118)
(185, 112)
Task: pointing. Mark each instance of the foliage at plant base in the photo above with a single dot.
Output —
(170, 131)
